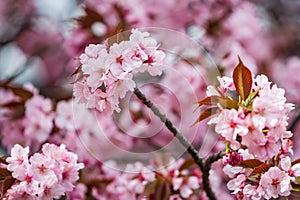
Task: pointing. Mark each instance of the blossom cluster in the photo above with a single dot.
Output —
(108, 70)
(251, 119)
(162, 179)
(254, 179)
(260, 124)
(45, 175)
(29, 120)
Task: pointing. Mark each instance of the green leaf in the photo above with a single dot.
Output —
(251, 163)
(242, 79)
(250, 97)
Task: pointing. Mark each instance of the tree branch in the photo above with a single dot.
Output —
(204, 165)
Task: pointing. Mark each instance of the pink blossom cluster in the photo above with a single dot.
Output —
(257, 140)
(45, 175)
(170, 178)
(87, 133)
(30, 122)
(108, 71)
(265, 181)
(259, 124)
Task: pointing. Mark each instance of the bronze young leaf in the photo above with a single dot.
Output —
(242, 79)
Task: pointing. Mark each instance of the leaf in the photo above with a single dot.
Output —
(295, 186)
(23, 93)
(3, 160)
(187, 164)
(242, 79)
(117, 35)
(214, 100)
(8, 182)
(260, 169)
(4, 173)
(163, 191)
(250, 97)
(90, 18)
(205, 114)
(12, 104)
(251, 163)
(211, 100)
(150, 188)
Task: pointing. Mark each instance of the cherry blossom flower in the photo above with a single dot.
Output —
(185, 185)
(275, 182)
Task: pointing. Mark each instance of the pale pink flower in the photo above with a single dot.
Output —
(64, 118)
(226, 83)
(121, 58)
(251, 192)
(144, 176)
(95, 64)
(229, 124)
(38, 126)
(185, 185)
(232, 171)
(237, 184)
(38, 103)
(275, 183)
(42, 167)
(18, 161)
(292, 170)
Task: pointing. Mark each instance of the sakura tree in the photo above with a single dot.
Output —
(127, 112)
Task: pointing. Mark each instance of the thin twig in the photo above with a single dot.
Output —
(183, 141)
(205, 174)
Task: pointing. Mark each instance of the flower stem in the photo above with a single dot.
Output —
(204, 165)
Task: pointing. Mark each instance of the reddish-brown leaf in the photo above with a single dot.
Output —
(163, 191)
(6, 184)
(3, 160)
(12, 104)
(4, 173)
(229, 103)
(205, 114)
(150, 188)
(211, 100)
(187, 164)
(117, 35)
(260, 169)
(242, 79)
(90, 18)
(24, 94)
(251, 163)
(214, 100)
